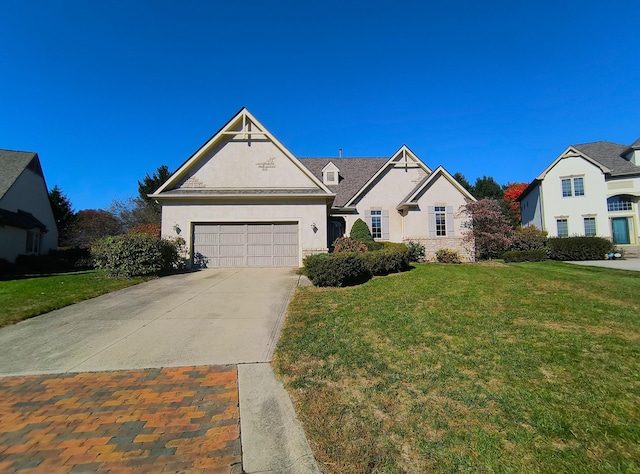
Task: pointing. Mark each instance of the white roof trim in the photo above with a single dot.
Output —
(439, 171)
(405, 153)
(572, 152)
(330, 167)
(246, 117)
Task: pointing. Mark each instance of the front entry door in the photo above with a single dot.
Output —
(620, 227)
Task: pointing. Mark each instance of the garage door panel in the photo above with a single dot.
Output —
(259, 238)
(247, 244)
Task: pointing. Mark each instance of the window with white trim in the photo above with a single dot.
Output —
(563, 227)
(590, 226)
(376, 224)
(572, 187)
(619, 203)
(441, 220)
(33, 242)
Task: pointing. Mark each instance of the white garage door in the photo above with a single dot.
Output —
(257, 244)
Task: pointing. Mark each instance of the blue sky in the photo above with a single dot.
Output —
(108, 91)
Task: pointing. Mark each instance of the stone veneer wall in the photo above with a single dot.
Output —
(431, 246)
(306, 252)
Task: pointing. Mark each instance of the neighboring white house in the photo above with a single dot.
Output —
(590, 189)
(27, 224)
(243, 199)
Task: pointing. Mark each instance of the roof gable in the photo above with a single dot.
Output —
(242, 156)
(438, 173)
(403, 158)
(572, 152)
(13, 163)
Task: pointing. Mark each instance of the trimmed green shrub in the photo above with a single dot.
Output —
(392, 258)
(511, 256)
(55, 261)
(137, 254)
(447, 256)
(346, 244)
(360, 231)
(529, 238)
(373, 245)
(336, 269)
(579, 248)
(416, 251)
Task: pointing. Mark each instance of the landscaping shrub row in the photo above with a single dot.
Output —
(137, 255)
(525, 256)
(351, 268)
(55, 261)
(578, 248)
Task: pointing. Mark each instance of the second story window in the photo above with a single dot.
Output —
(572, 187)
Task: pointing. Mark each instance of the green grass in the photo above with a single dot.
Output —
(27, 297)
(474, 368)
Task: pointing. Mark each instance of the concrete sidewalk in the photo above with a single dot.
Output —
(211, 317)
(632, 264)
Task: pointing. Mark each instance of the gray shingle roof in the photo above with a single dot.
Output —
(12, 164)
(610, 155)
(354, 174)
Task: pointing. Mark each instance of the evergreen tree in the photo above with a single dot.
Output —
(63, 213)
(360, 231)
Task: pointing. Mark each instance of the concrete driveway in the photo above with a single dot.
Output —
(214, 316)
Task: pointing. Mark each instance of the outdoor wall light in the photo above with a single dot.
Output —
(177, 229)
(314, 227)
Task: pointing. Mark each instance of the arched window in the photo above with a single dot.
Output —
(619, 203)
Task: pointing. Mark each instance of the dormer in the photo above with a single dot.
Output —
(330, 174)
(632, 154)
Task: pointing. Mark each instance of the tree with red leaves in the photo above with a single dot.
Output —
(511, 192)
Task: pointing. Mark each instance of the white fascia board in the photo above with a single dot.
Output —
(432, 177)
(569, 153)
(242, 115)
(390, 162)
(173, 197)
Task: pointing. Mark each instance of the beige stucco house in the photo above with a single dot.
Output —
(27, 224)
(243, 199)
(590, 189)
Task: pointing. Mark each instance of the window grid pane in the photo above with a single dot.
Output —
(441, 221)
(618, 204)
(563, 228)
(376, 224)
(578, 187)
(566, 188)
(590, 226)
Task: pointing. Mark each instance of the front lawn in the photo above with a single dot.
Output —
(27, 297)
(474, 368)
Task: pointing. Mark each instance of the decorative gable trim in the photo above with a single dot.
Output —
(243, 126)
(572, 152)
(403, 158)
(411, 199)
